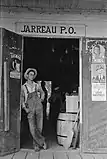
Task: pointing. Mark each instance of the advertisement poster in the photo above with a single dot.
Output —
(98, 73)
(98, 53)
(98, 92)
(15, 66)
(98, 80)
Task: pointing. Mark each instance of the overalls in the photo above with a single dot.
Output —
(35, 117)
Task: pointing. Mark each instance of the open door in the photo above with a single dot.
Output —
(10, 84)
(94, 101)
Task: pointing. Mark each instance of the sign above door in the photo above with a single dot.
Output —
(50, 29)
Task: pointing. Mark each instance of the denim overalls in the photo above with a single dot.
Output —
(35, 117)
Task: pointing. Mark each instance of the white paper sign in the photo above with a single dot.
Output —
(98, 91)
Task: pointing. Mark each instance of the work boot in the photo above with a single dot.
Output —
(36, 148)
(44, 146)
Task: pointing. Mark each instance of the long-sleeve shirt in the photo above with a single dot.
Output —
(33, 88)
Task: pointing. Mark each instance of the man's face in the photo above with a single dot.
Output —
(97, 50)
(31, 75)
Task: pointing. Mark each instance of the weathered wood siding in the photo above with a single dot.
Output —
(69, 4)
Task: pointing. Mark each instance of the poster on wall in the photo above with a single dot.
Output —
(15, 66)
(98, 80)
(98, 73)
(97, 50)
(98, 92)
(98, 53)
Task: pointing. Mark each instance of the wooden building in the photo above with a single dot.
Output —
(81, 20)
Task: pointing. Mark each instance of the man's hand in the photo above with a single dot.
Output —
(42, 100)
(26, 109)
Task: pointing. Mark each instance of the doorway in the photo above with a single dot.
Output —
(56, 60)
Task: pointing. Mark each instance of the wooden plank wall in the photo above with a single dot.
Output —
(70, 4)
(39, 3)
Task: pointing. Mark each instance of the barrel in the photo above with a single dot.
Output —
(65, 124)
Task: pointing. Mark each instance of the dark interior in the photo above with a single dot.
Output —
(56, 60)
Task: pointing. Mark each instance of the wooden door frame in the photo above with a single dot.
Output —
(80, 89)
(21, 74)
(80, 71)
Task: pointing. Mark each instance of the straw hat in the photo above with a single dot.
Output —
(29, 70)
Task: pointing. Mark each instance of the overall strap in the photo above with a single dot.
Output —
(36, 85)
(27, 89)
(37, 91)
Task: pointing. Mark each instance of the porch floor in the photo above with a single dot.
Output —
(53, 154)
(54, 151)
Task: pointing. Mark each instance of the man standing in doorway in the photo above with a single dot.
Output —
(31, 103)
